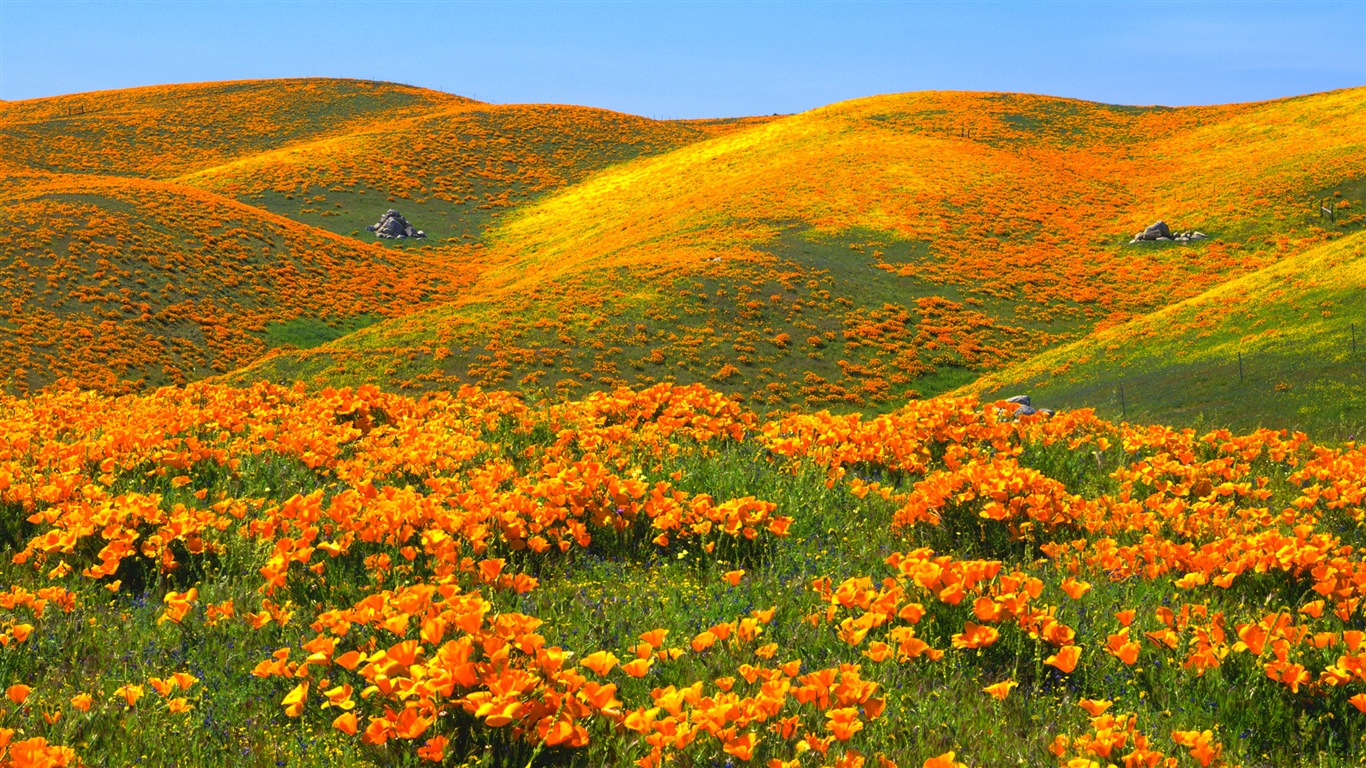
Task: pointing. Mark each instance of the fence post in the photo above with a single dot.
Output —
(1354, 338)
(1123, 407)
(1240, 366)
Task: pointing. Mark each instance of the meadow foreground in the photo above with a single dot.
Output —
(271, 576)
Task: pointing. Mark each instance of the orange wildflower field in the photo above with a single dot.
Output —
(677, 443)
(661, 577)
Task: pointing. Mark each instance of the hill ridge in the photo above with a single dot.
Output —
(978, 219)
(398, 123)
(221, 84)
(159, 130)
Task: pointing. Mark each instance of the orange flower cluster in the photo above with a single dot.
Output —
(446, 504)
(999, 598)
(34, 752)
(1112, 734)
(495, 667)
(821, 708)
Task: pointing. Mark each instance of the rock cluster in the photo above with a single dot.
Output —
(1160, 231)
(1026, 409)
(392, 226)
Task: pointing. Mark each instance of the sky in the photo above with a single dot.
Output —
(699, 59)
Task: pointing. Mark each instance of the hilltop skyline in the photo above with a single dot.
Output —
(689, 60)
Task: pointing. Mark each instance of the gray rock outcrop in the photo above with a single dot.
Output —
(392, 226)
(1026, 407)
(1159, 231)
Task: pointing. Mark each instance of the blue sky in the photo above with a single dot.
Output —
(699, 59)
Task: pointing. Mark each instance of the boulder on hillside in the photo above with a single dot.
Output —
(1159, 231)
(392, 226)
(1155, 231)
(1026, 407)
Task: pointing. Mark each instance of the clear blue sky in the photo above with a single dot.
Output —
(699, 59)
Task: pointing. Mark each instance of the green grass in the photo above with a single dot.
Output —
(1348, 218)
(349, 211)
(1280, 389)
(847, 262)
(309, 332)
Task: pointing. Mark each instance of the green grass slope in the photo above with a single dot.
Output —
(1283, 347)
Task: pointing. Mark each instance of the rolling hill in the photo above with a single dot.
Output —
(856, 255)
(167, 130)
(165, 234)
(118, 283)
(872, 250)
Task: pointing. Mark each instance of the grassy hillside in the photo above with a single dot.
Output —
(1292, 326)
(117, 283)
(116, 276)
(205, 576)
(873, 250)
